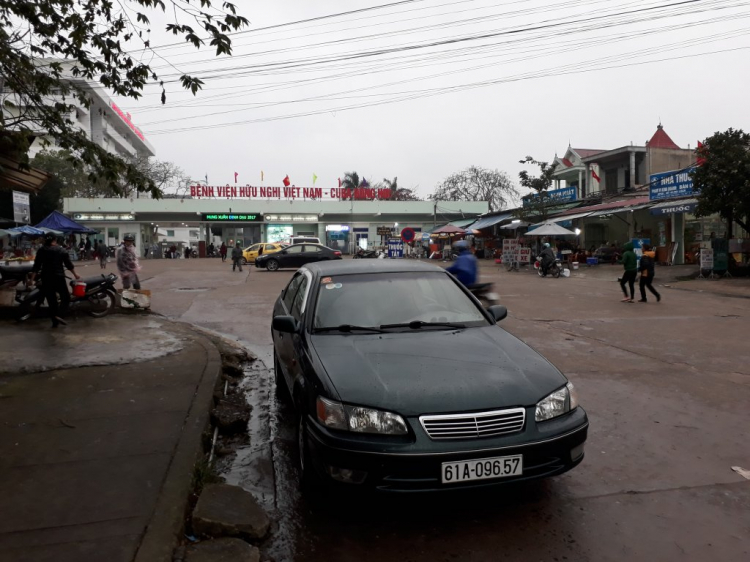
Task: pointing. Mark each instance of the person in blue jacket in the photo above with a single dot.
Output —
(465, 268)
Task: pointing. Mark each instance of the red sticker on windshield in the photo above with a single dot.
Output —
(326, 280)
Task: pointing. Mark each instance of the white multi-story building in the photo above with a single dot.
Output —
(103, 122)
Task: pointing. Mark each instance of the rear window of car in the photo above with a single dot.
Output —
(393, 298)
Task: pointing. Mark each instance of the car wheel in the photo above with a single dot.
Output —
(278, 377)
(311, 485)
(272, 265)
(243, 261)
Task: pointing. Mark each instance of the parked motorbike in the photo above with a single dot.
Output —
(95, 295)
(12, 275)
(369, 254)
(484, 293)
(555, 269)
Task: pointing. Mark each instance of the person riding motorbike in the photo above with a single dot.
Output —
(548, 258)
(465, 267)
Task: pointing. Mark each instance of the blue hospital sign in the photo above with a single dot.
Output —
(671, 184)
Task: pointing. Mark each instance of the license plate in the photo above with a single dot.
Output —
(481, 469)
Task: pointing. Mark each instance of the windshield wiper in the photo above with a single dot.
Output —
(349, 328)
(417, 324)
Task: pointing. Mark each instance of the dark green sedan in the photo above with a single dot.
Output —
(402, 382)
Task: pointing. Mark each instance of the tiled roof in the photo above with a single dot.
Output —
(567, 162)
(661, 140)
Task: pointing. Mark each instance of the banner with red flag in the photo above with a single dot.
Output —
(286, 181)
(593, 173)
(701, 159)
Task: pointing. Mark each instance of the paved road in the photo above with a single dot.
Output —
(666, 387)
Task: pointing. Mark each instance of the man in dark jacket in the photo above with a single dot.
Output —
(646, 269)
(630, 265)
(52, 261)
(237, 257)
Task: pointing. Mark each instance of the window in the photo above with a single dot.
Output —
(271, 247)
(310, 248)
(193, 234)
(295, 249)
(253, 248)
(298, 306)
(291, 290)
(170, 233)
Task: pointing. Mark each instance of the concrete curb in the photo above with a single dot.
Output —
(168, 518)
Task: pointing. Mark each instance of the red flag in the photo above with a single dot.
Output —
(235, 177)
(286, 181)
(701, 159)
(593, 173)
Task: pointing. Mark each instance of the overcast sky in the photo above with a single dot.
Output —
(546, 73)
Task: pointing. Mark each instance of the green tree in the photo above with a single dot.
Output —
(43, 43)
(537, 203)
(399, 193)
(723, 177)
(351, 180)
(477, 184)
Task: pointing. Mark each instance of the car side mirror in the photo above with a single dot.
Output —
(497, 311)
(285, 324)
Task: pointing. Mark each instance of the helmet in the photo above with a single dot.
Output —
(461, 245)
(546, 244)
(129, 238)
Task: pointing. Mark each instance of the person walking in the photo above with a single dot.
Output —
(630, 265)
(88, 248)
(646, 268)
(50, 262)
(103, 252)
(127, 264)
(237, 257)
(223, 252)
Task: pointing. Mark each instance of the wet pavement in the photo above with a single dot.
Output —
(666, 387)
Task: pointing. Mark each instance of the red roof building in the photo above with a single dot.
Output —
(661, 140)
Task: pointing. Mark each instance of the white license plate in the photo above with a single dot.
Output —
(481, 469)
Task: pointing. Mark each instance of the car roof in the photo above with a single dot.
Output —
(350, 267)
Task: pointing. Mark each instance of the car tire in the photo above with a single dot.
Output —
(278, 377)
(310, 483)
(243, 261)
(272, 265)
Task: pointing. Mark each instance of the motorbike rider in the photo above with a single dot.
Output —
(548, 258)
(465, 266)
(52, 261)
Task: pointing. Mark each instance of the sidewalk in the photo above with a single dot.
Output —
(100, 427)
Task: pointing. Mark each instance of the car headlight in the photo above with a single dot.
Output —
(556, 404)
(358, 419)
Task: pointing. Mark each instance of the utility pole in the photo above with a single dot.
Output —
(434, 214)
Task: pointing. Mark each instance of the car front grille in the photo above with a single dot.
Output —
(471, 426)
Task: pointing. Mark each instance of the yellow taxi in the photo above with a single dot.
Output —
(250, 253)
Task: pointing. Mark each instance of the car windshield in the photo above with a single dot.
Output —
(384, 299)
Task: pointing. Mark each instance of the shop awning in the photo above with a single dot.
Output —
(620, 210)
(569, 217)
(57, 221)
(28, 230)
(463, 223)
(680, 206)
(486, 222)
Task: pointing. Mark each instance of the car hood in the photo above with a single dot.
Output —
(436, 371)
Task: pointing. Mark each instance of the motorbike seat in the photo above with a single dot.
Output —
(15, 271)
(92, 281)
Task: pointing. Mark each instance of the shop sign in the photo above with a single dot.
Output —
(126, 117)
(408, 234)
(314, 193)
(337, 228)
(395, 248)
(231, 217)
(291, 218)
(668, 185)
(103, 217)
(676, 208)
(21, 207)
(384, 231)
(562, 195)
